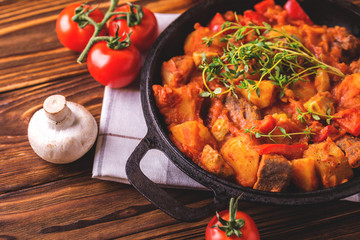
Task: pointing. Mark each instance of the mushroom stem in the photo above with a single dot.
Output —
(55, 108)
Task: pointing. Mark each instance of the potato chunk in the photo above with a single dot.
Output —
(322, 103)
(293, 30)
(180, 104)
(322, 81)
(176, 71)
(191, 137)
(267, 94)
(220, 129)
(304, 174)
(198, 56)
(213, 162)
(274, 173)
(195, 43)
(244, 160)
(330, 162)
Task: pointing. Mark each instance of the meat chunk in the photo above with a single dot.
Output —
(241, 110)
(303, 90)
(355, 66)
(274, 173)
(213, 162)
(347, 43)
(351, 147)
(336, 44)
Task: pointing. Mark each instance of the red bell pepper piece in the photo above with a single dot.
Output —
(255, 17)
(267, 124)
(216, 23)
(261, 7)
(349, 120)
(328, 131)
(296, 12)
(288, 151)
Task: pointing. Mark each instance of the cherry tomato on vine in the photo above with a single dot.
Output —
(113, 68)
(138, 20)
(232, 224)
(70, 34)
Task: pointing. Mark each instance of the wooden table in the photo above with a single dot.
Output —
(40, 200)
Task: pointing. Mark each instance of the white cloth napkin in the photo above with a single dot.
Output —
(122, 126)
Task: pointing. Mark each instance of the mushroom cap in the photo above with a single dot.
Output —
(65, 141)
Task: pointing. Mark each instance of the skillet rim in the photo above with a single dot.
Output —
(157, 133)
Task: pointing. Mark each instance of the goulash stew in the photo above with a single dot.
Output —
(266, 99)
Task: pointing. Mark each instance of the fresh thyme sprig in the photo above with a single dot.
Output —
(307, 132)
(280, 58)
(315, 115)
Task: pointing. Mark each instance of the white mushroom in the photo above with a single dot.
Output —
(62, 131)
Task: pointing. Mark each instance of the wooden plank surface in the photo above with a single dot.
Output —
(39, 200)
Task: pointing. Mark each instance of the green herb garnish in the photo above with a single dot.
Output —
(307, 132)
(315, 115)
(280, 58)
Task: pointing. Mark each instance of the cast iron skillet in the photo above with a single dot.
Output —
(170, 44)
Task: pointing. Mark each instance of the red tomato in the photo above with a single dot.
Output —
(255, 17)
(69, 32)
(248, 230)
(143, 35)
(261, 7)
(296, 12)
(216, 23)
(113, 68)
(349, 120)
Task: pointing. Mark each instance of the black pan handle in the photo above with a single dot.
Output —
(158, 196)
